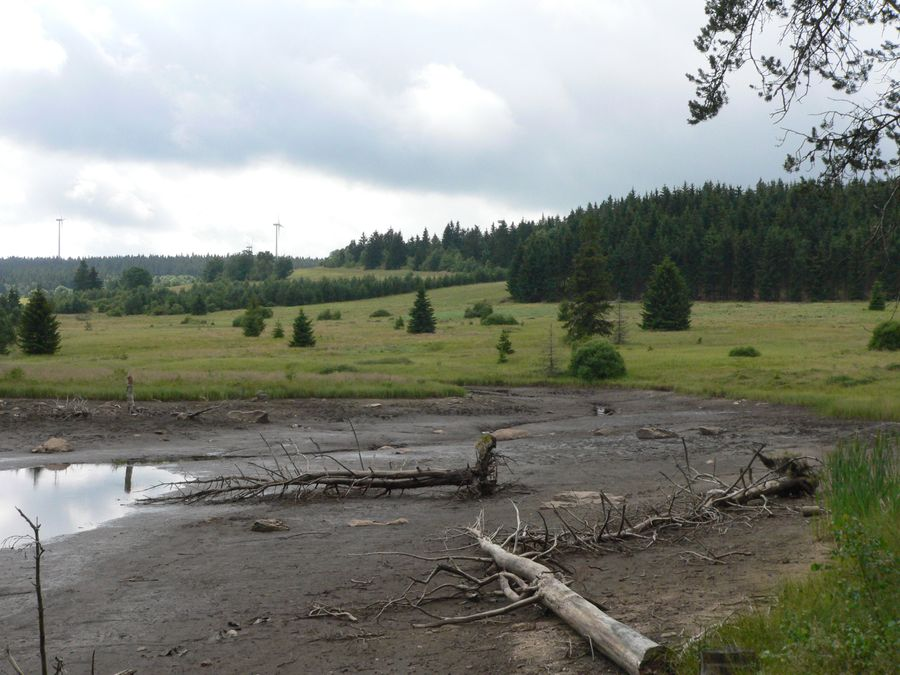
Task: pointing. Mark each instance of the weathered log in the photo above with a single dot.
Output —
(627, 648)
(480, 478)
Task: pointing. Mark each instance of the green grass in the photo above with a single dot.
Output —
(812, 354)
(844, 618)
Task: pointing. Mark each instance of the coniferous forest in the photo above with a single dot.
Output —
(776, 241)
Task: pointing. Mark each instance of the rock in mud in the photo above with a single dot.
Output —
(655, 433)
(711, 431)
(249, 416)
(368, 523)
(573, 498)
(509, 434)
(53, 444)
(269, 525)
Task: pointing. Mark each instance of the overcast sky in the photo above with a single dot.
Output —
(180, 126)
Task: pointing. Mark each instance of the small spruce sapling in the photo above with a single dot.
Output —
(303, 332)
(504, 347)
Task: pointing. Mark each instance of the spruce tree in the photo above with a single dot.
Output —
(504, 347)
(278, 330)
(252, 321)
(421, 316)
(7, 331)
(667, 301)
(588, 291)
(82, 279)
(876, 299)
(38, 327)
(303, 332)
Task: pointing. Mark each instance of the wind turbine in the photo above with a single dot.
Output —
(59, 222)
(277, 227)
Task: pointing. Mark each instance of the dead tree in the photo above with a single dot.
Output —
(287, 479)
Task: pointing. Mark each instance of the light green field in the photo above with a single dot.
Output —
(316, 273)
(812, 354)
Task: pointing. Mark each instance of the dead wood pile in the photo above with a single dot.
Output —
(526, 570)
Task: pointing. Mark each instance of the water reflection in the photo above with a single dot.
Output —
(68, 498)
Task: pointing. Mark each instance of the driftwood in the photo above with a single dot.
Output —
(289, 480)
(514, 566)
(627, 648)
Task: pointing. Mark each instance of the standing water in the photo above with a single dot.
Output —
(66, 498)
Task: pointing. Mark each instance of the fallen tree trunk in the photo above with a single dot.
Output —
(291, 481)
(627, 648)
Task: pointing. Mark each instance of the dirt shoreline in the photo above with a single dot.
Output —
(158, 590)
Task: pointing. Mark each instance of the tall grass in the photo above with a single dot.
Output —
(813, 354)
(844, 617)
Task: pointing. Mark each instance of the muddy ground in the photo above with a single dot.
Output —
(158, 590)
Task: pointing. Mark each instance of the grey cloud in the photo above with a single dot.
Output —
(598, 106)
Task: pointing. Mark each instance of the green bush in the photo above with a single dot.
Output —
(398, 323)
(744, 351)
(379, 313)
(596, 360)
(886, 336)
(499, 320)
(479, 310)
(278, 331)
(329, 315)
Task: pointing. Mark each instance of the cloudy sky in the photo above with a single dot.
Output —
(178, 126)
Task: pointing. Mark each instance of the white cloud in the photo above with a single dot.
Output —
(24, 44)
(445, 108)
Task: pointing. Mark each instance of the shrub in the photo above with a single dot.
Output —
(379, 313)
(499, 320)
(596, 360)
(876, 300)
(329, 315)
(479, 310)
(886, 336)
(278, 331)
(398, 323)
(744, 351)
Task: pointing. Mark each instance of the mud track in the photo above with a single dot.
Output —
(158, 591)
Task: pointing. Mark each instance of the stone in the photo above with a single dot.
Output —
(53, 444)
(249, 416)
(261, 396)
(655, 433)
(269, 525)
(509, 434)
(572, 498)
(810, 511)
(368, 523)
(711, 431)
(603, 431)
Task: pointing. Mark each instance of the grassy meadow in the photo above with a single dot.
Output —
(811, 354)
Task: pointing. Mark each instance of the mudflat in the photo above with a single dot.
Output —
(191, 588)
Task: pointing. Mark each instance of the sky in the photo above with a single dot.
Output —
(188, 126)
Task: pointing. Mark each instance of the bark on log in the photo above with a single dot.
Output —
(627, 648)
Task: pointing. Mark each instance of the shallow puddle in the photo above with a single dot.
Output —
(68, 498)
